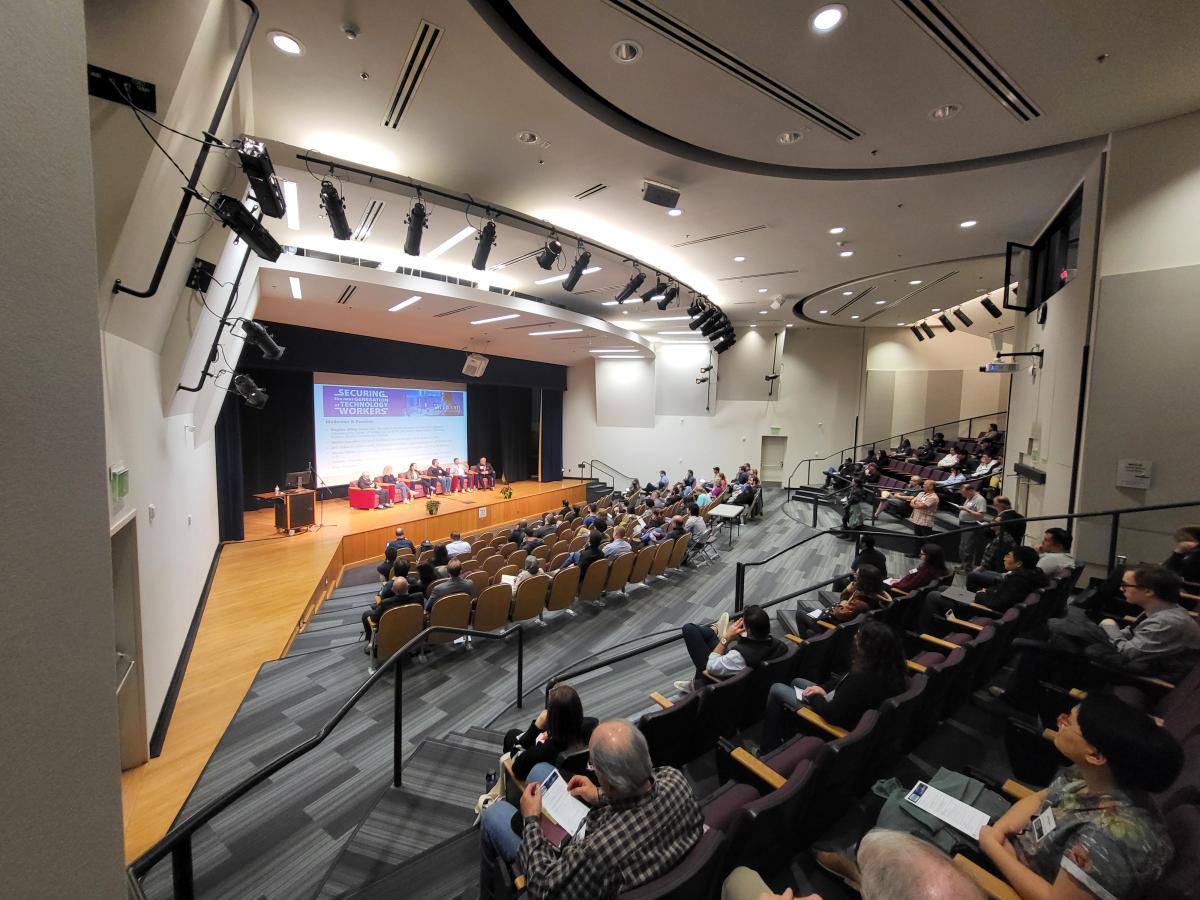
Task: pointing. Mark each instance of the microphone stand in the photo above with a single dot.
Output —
(321, 503)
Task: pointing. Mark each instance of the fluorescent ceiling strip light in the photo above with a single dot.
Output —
(563, 276)
(555, 331)
(295, 283)
(291, 198)
(620, 357)
(617, 350)
(665, 318)
(403, 303)
(609, 303)
(677, 333)
(689, 343)
(496, 319)
(450, 242)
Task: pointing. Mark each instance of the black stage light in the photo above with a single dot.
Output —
(925, 328)
(722, 333)
(706, 370)
(917, 332)
(417, 221)
(991, 307)
(485, 239)
(963, 317)
(946, 323)
(703, 380)
(713, 325)
(549, 254)
(695, 307)
(725, 344)
(634, 283)
(668, 298)
(707, 315)
(656, 291)
(258, 335)
(577, 267)
(255, 397)
(335, 210)
(233, 213)
(256, 163)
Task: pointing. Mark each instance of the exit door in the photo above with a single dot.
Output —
(774, 451)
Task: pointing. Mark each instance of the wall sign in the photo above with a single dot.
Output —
(1134, 473)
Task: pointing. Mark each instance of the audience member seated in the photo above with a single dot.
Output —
(689, 479)
(400, 543)
(485, 475)
(877, 672)
(618, 544)
(425, 577)
(720, 486)
(532, 566)
(457, 545)
(947, 486)
(1014, 522)
(454, 584)
(592, 552)
(1020, 579)
(986, 466)
(367, 483)
(702, 497)
(869, 556)
(991, 566)
(725, 648)
(1055, 560)
(836, 478)
(663, 481)
(643, 821)
(924, 505)
(904, 448)
(896, 502)
(559, 728)
(441, 475)
(1184, 560)
(695, 524)
(517, 535)
(389, 560)
(953, 457)
(440, 560)
(866, 592)
(401, 487)
(870, 473)
(931, 565)
(398, 591)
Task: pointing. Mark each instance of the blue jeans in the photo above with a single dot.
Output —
(446, 481)
(780, 702)
(497, 840)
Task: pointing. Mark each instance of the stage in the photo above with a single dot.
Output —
(263, 590)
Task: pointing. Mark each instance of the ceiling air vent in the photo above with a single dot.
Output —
(363, 231)
(962, 48)
(347, 294)
(452, 312)
(591, 192)
(412, 71)
(680, 33)
(902, 299)
(717, 237)
(845, 306)
(759, 275)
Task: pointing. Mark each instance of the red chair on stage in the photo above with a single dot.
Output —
(459, 482)
(362, 498)
(416, 489)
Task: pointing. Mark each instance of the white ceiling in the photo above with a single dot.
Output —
(878, 71)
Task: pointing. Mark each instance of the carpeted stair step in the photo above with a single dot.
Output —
(449, 871)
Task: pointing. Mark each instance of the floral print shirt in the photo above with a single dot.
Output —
(1115, 845)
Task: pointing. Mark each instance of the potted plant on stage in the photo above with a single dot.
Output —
(506, 492)
(431, 506)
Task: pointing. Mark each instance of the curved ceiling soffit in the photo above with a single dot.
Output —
(798, 305)
(507, 24)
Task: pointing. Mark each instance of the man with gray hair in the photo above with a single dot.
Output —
(643, 821)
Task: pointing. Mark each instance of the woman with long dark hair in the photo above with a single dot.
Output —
(931, 566)
(558, 728)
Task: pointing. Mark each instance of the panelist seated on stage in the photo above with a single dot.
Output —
(367, 483)
(454, 584)
(415, 476)
(485, 475)
(461, 476)
(442, 476)
(401, 488)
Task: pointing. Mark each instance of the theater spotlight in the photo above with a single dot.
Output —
(582, 260)
(725, 344)
(668, 298)
(991, 307)
(657, 291)
(485, 239)
(946, 323)
(634, 283)
(233, 213)
(335, 210)
(255, 397)
(713, 325)
(925, 328)
(706, 315)
(417, 221)
(549, 254)
(256, 163)
(257, 334)
(725, 331)
(702, 380)
(706, 370)
(695, 307)
(917, 333)
(963, 317)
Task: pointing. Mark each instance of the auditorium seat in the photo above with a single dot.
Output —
(556, 562)
(577, 543)
(679, 551)
(493, 564)
(778, 669)
(453, 610)
(662, 557)
(397, 626)
(480, 578)
(641, 566)
(592, 584)
(492, 607)
(563, 588)
(516, 558)
(813, 656)
(673, 732)
(696, 877)
(530, 599)
(505, 570)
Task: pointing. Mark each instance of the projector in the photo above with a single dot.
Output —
(475, 365)
(1001, 368)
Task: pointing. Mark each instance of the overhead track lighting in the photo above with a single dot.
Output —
(709, 313)
(963, 317)
(581, 262)
(669, 297)
(546, 258)
(991, 307)
(254, 396)
(485, 239)
(335, 210)
(925, 328)
(634, 283)
(946, 323)
(657, 291)
(417, 221)
(233, 213)
(725, 344)
(257, 334)
(256, 163)
(916, 332)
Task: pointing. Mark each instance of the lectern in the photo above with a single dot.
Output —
(293, 509)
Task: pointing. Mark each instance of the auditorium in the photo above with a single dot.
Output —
(601, 449)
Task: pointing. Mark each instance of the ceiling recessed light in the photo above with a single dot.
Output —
(496, 319)
(527, 137)
(675, 212)
(285, 43)
(295, 285)
(762, 312)
(827, 18)
(837, 229)
(936, 309)
(854, 317)
(753, 324)
(739, 259)
(291, 199)
(788, 325)
(626, 51)
(790, 137)
(846, 253)
(847, 293)
(609, 303)
(949, 111)
(916, 281)
(880, 302)
(762, 290)
(970, 223)
(555, 331)
(404, 303)
(823, 311)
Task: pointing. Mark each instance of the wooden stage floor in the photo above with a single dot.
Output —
(262, 588)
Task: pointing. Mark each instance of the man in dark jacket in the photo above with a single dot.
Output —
(454, 584)
(1021, 578)
(725, 648)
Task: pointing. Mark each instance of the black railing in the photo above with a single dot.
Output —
(871, 445)
(177, 843)
(594, 464)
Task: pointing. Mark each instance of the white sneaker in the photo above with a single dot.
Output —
(722, 625)
(684, 687)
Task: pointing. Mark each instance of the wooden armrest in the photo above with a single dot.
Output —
(993, 887)
(915, 666)
(979, 607)
(827, 625)
(758, 768)
(814, 718)
(964, 624)
(938, 642)
(661, 700)
(1157, 682)
(1016, 790)
(1077, 694)
(1049, 734)
(1195, 598)
(711, 677)
(794, 639)
(519, 882)
(508, 773)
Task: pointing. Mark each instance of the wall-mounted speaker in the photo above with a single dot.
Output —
(660, 194)
(475, 365)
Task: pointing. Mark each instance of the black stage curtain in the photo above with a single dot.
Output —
(552, 435)
(231, 503)
(498, 427)
(278, 438)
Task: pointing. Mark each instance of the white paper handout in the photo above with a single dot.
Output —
(508, 579)
(954, 813)
(560, 807)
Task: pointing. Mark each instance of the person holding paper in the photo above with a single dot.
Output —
(641, 822)
(559, 728)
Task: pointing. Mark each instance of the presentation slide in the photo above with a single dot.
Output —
(362, 427)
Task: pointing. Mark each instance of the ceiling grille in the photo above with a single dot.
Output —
(347, 293)
(412, 72)
(717, 237)
(363, 231)
(926, 286)
(452, 312)
(759, 275)
(591, 192)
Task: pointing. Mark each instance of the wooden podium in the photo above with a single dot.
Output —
(293, 509)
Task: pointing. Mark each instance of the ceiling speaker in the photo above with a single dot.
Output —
(660, 194)
(475, 365)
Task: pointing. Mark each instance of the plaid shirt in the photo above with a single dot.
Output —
(923, 507)
(626, 843)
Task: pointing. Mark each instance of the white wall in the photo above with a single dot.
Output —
(60, 835)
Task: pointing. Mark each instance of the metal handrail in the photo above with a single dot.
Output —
(593, 463)
(178, 841)
(932, 429)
